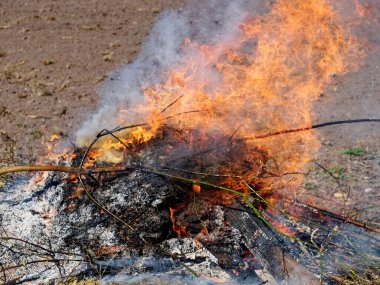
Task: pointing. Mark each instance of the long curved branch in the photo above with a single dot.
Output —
(81, 170)
(64, 169)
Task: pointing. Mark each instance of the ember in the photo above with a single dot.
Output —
(179, 229)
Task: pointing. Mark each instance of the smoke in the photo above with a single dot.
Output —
(202, 22)
(227, 69)
(300, 45)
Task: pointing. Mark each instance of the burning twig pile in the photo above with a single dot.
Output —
(195, 192)
(146, 211)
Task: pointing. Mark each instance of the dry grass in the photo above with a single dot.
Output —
(80, 282)
(370, 278)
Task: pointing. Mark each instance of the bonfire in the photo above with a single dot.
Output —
(192, 177)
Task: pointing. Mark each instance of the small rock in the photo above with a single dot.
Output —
(4, 111)
(88, 27)
(338, 194)
(114, 45)
(48, 62)
(22, 95)
(107, 57)
(44, 93)
(63, 112)
(155, 10)
(157, 202)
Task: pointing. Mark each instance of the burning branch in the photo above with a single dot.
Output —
(81, 171)
(248, 199)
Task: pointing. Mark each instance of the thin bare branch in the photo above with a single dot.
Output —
(64, 169)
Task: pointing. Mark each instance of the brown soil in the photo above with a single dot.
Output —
(355, 190)
(54, 55)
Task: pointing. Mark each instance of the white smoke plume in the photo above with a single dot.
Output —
(203, 22)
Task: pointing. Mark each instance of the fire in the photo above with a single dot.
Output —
(179, 229)
(54, 153)
(265, 78)
(113, 150)
(54, 137)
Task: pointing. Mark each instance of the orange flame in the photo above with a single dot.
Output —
(263, 79)
(202, 234)
(53, 155)
(179, 229)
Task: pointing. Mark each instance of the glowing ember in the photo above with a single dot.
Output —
(196, 188)
(179, 229)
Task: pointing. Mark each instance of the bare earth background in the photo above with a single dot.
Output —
(55, 54)
(53, 57)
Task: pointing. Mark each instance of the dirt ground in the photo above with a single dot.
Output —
(345, 176)
(54, 56)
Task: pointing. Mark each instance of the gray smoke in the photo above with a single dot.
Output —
(212, 21)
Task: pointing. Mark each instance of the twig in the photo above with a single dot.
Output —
(205, 174)
(171, 104)
(3, 271)
(343, 218)
(118, 129)
(317, 126)
(348, 220)
(39, 246)
(81, 171)
(40, 261)
(64, 169)
(328, 172)
(231, 137)
(89, 195)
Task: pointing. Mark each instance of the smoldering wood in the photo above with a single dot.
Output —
(143, 198)
(140, 198)
(342, 244)
(264, 243)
